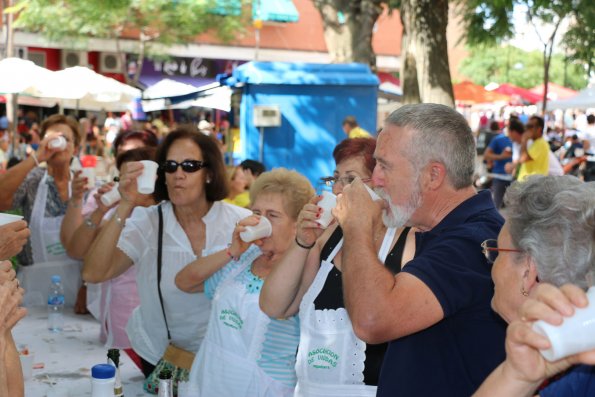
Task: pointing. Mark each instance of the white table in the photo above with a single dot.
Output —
(69, 356)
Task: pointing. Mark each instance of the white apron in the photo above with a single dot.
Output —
(49, 256)
(226, 363)
(45, 232)
(330, 359)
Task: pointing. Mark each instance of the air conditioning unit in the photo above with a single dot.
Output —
(267, 116)
(38, 58)
(110, 62)
(21, 52)
(74, 58)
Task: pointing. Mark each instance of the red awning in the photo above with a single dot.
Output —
(468, 93)
(518, 95)
(554, 91)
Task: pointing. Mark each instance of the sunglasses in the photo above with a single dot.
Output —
(171, 166)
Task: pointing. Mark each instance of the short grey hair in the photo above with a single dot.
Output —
(440, 134)
(552, 219)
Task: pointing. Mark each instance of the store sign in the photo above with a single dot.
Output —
(191, 67)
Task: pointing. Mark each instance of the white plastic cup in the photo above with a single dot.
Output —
(8, 218)
(112, 197)
(89, 173)
(576, 334)
(578, 152)
(58, 143)
(328, 202)
(27, 365)
(261, 230)
(373, 194)
(145, 182)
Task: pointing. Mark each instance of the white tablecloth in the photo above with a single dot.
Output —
(69, 356)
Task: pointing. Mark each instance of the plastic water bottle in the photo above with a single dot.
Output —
(56, 305)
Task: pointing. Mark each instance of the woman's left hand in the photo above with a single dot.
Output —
(100, 192)
(523, 344)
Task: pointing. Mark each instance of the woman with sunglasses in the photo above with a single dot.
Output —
(546, 242)
(191, 181)
(331, 359)
(245, 353)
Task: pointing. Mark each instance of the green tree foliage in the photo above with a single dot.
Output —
(579, 40)
(158, 23)
(508, 64)
(489, 22)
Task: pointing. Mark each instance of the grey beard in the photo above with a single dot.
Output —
(399, 215)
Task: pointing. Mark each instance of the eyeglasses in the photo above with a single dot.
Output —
(490, 250)
(530, 126)
(171, 166)
(344, 180)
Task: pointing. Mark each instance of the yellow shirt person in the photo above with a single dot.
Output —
(353, 130)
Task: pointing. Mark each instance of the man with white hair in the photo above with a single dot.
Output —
(444, 337)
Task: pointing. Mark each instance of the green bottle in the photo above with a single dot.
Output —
(113, 358)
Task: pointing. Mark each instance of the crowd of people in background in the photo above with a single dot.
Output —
(409, 291)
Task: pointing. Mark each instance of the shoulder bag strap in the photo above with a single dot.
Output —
(159, 252)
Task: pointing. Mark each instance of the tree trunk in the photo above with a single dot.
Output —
(409, 83)
(361, 21)
(425, 52)
(337, 34)
(349, 28)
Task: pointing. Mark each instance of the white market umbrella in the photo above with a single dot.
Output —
(82, 88)
(20, 76)
(168, 88)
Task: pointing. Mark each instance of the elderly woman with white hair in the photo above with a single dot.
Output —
(544, 259)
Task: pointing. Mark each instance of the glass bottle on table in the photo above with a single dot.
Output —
(165, 384)
(56, 305)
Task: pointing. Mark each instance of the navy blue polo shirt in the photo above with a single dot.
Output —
(455, 355)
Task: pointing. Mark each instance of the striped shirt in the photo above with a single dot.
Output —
(277, 358)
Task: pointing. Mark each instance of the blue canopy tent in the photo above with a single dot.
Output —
(313, 100)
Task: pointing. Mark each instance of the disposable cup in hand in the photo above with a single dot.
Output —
(8, 218)
(576, 334)
(112, 197)
(328, 202)
(261, 230)
(373, 194)
(58, 143)
(89, 173)
(146, 181)
(27, 364)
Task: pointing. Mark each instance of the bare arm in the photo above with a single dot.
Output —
(73, 217)
(489, 155)
(83, 235)
(192, 277)
(13, 177)
(381, 306)
(287, 283)
(14, 372)
(524, 149)
(11, 375)
(105, 260)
